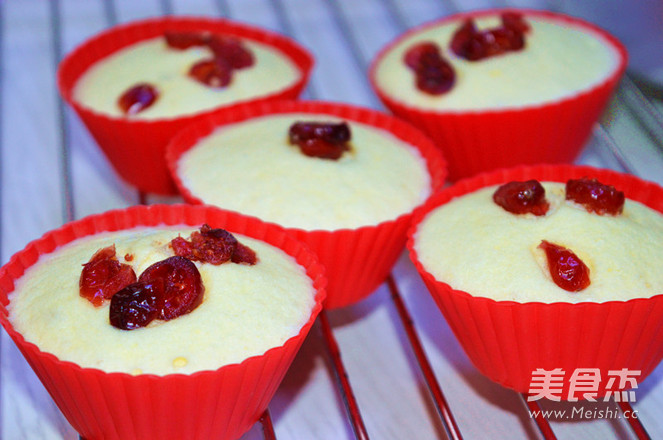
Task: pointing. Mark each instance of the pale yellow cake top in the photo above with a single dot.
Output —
(152, 61)
(246, 310)
(250, 167)
(476, 246)
(559, 60)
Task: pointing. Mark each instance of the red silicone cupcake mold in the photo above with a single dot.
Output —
(356, 260)
(219, 404)
(507, 341)
(136, 148)
(485, 139)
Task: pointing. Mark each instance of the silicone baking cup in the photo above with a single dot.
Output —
(485, 139)
(507, 341)
(219, 404)
(136, 148)
(356, 260)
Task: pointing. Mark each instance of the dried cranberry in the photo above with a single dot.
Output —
(462, 39)
(137, 98)
(232, 51)
(436, 79)
(522, 197)
(182, 247)
(319, 139)
(515, 21)
(595, 196)
(504, 40)
(178, 285)
(213, 245)
(185, 40)
(214, 73)
(415, 55)
(134, 306)
(566, 269)
(433, 74)
(322, 149)
(228, 54)
(104, 275)
(244, 255)
(469, 43)
(228, 49)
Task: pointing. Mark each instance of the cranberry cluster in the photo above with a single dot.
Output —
(214, 246)
(435, 75)
(529, 197)
(228, 54)
(567, 270)
(467, 42)
(319, 139)
(165, 290)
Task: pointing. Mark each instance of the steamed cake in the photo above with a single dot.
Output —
(152, 61)
(559, 59)
(475, 246)
(251, 168)
(246, 310)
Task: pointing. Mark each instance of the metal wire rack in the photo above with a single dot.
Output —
(322, 397)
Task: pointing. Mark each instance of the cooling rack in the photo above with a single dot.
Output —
(386, 368)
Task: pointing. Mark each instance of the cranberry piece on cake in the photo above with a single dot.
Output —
(134, 307)
(137, 98)
(103, 276)
(595, 197)
(178, 284)
(462, 40)
(232, 51)
(522, 197)
(215, 73)
(244, 255)
(515, 21)
(473, 45)
(567, 270)
(228, 53)
(213, 245)
(416, 56)
(185, 40)
(229, 49)
(320, 139)
(433, 74)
